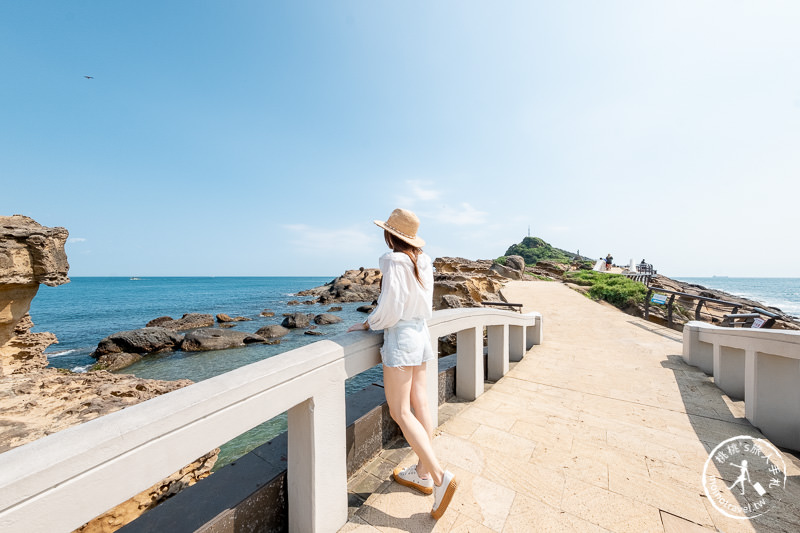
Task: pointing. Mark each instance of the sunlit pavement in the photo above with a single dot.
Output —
(603, 427)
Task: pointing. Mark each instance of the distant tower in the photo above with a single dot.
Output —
(529, 230)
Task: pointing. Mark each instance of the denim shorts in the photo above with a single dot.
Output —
(407, 343)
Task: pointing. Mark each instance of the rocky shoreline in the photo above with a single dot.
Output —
(36, 401)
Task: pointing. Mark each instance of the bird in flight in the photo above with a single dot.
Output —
(89, 77)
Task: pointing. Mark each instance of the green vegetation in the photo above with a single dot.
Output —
(534, 249)
(613, 288)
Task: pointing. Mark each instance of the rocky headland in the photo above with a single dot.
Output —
(36, 401)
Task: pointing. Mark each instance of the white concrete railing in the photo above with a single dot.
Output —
(62, 481)
(759, 366)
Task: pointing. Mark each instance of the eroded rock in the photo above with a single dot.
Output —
(273, 331)
(144, 340)
(217, 339)
(327, 318)
(296, 320)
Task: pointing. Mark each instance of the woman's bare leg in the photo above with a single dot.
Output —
(419, 403)
(397, 385)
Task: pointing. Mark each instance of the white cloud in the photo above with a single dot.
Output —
(417, 191)
(308, 238)
(462, 215)
(73, 240)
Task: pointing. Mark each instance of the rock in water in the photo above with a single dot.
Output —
(144, 340)
(116, 361)
(189, 321)
(362, 285)
(295, 320)
(158, 321)
(223, 318)
(326, 318)
(272, 332)
(217, 339)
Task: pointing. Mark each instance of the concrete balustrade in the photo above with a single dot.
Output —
(762, 367)
(62, 481)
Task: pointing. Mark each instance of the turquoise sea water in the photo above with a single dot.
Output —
(86, 310)
(783, 293)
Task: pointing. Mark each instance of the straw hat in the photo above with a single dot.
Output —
(403, 224)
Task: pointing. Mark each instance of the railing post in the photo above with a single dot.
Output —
(534, 335)
(497, 337)
(516, 342)
(696, 353)
(317, 464)
(469, 363)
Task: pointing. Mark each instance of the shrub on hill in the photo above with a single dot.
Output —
(534, 249)
(614, 288)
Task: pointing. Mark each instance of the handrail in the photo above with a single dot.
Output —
(43, 484)
(701, 301)
(761, 367)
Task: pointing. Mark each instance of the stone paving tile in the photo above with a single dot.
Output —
(528, 514)
(459, 427)
(671, 498)
(460, 452)
(497, 417)
(609, 509)
(481, 500)
(676, 524)
(526, 478)
(511, 445)
(357, 525)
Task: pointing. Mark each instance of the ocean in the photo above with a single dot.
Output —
(87, 309)
(783, 293)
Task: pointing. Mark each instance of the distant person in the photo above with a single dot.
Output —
(405, 302)
(609, 259)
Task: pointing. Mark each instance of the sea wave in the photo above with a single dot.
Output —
(59, 353)
(80, 369)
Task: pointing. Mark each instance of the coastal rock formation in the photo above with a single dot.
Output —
(549, 269)
(710, 312)
(362, 285)
(296, 320)
(513, 269)
(273, 331)
(223, 318)
(515, 262)
(217, 339)
(144, 340)
(466, 283)
(326, 318)
(36, 401)
(187, 321)
(267, 313)
(30, 254)
(116, 361)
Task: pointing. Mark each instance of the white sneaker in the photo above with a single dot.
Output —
(410, 478)
(442, 494)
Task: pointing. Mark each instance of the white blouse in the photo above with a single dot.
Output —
(402, 297)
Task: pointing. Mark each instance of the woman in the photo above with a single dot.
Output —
(404, 303)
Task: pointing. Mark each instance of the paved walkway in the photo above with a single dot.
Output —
(601, 428)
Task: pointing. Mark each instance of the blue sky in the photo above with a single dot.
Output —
(262, 138)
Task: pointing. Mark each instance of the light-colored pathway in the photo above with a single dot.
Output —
(601, 428)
